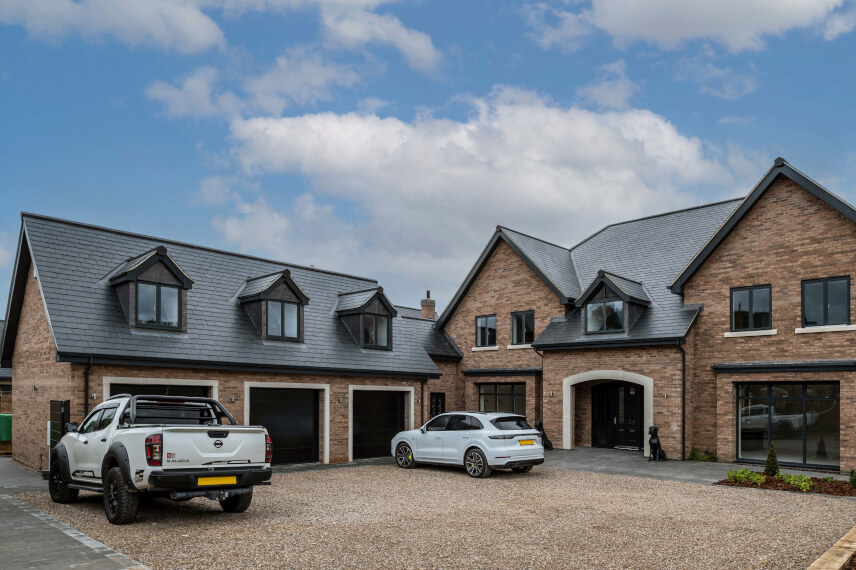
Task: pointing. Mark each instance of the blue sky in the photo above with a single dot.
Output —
(388, 139)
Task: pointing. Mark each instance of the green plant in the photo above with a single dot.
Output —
(853, 477)
(829, 479)
(801, 482)
(696, 455)
(746, 475)
(771, 468)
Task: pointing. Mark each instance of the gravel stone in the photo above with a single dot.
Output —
(386, 517)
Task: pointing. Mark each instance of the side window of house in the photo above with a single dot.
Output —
(523, 327)
(826, 302)
(486, 330)
(283, 320)
(751, 308)
(158, 305)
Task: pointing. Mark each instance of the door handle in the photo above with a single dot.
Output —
(103, 439)
(437, 437)
(85, 442)
(465, 437)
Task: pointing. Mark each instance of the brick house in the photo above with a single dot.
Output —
(323, 359)
(726, 325)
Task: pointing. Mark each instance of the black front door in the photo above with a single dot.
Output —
(438, 403)
(616, 415)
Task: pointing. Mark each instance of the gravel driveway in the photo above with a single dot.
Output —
(383, 516)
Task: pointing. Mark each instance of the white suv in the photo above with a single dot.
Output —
(480, 441)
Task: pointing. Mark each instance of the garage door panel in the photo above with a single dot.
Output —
(291, 418)
(377, 417)
(159, 390)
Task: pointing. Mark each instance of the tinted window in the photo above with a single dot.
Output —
(523, 327)
(505, 397)
(382, 331)
(147, 303)
(511, 423)
(838, 302)
(751, 308)
(761, 315)
(486, 330)
(289, 320)
(456, 423)
(438, 423)
(604, 312)
(274, 318)
(826, 302)
(813, 304)
(106, 418)
(90, 423)
(158, 305)
(169, 307)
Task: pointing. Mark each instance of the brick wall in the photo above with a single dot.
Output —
(789, 235)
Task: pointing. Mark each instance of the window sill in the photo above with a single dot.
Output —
(829, 328)
(738, 334)
(518, 346)
(484, 348)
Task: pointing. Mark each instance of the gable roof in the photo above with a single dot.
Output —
(355, 301)
(133, 266)
(551, 262)
(780, 168)
(261, 287)
(627, 289)
(73, 261)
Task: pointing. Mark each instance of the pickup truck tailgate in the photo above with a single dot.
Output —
(208, 446)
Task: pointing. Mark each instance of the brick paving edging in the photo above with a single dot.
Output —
(130, 563)
(836, 557)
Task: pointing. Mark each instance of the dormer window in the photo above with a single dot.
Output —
(604, 312)
(158, 306)
(367, 315)
(375, 331)
(283, 320)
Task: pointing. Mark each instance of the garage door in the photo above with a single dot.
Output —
(291, 418)
(158, 389)
(378, 416)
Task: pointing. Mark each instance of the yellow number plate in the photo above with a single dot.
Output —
(217, 481)
(527, 442)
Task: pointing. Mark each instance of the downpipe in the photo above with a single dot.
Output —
(86, 387)
(683, 401)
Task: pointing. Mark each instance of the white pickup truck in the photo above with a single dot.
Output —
(133, 447)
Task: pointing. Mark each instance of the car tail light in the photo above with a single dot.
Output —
(268, 448)
(154, 450)
(504, 436)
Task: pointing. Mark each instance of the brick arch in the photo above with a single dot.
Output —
(568, 400)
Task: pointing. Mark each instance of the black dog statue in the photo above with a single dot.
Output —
(545, 441)
(657, 453)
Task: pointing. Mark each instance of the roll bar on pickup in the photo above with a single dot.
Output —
(219, 410)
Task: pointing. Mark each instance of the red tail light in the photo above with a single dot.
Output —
(268, 448)
(154, 450)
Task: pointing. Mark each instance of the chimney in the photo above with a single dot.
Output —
(428, 311)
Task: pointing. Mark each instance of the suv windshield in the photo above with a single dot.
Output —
(511, 423)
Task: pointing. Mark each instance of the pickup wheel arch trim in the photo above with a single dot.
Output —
(119, 455)
(60, 455)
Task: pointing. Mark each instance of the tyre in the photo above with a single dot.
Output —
(526, 469)
(475, 463)
(60, 493)
(120, 504)
(237, 503)
(404, 456)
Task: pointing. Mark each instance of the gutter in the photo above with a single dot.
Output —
(666, 341)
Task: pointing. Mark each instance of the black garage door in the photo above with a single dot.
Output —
(378, 416)
(291, 418)
(158, 389)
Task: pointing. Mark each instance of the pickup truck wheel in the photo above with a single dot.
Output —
(237, 503)
(60, 493)
(120, 504)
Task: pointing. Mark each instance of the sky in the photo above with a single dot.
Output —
(388, 139)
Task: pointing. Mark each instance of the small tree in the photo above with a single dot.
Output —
(772, 466)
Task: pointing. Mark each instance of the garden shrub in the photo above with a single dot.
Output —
(746, 475)
(853, 477)
(772, 466)
(801, 482)
(696, 455)
(829, 479)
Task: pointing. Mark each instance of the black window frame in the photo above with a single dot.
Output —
(751, 289)
(528, 316)
(825, 281)
(768, 400)
(282, 321)
(364, 344)
(495, 335)
(609, 297)
(496, 386)
(158, 325)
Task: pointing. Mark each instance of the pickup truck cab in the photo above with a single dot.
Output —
(131, 447)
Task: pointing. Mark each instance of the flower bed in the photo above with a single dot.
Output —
(800, 483)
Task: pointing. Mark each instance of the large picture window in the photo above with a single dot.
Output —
(826, 302)
(523, 327)
(158, 306)
(751, 308)
(604, 312)
(486, 330)
(509, 397)
(802, 419)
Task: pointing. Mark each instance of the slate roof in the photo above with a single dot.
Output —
(628, 289)
(74, 261)
(256, 285)
(553, 260)
(633, 289)
(650, 251)
(354, 299)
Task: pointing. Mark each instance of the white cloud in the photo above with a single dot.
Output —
(297, 76)
(371, 105)
(354, 28)
(736, 24)
(613, 89)
(736, 120)
(173, 25)
(722, 82)
(554, 28)
(194, 95)
(216, 190)
(839, 24)
(427, 193)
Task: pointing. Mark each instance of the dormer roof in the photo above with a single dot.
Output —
(356, 301)
(629, 290)
(256, 288)
(132, 267)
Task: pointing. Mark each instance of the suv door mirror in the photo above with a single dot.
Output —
(422, 429)
(71, 427)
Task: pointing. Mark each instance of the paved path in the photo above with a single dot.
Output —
(621, 462)
(32, 539)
